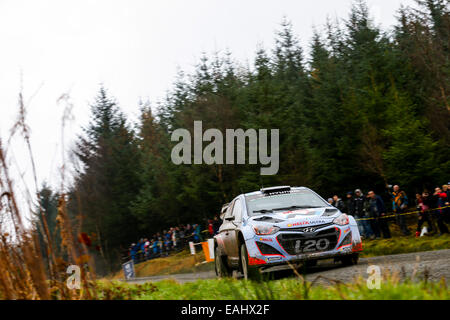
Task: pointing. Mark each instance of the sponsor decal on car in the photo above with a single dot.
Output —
(265, 239)
(296, 224)
(304, 223)
(303, 211)
(273, 258)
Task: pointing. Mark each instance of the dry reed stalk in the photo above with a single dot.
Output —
(24, 274)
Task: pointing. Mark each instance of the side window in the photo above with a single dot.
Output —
(237, 211)
(229, 211)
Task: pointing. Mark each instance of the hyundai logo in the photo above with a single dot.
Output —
(309, 229)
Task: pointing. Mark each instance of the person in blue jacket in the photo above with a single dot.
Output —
(155, 248)
(197, 233)
(133, 251)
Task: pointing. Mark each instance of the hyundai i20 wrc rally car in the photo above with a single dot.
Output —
(280, 225)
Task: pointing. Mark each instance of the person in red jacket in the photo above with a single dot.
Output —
(423, 205)
(210, 227)
(440, 198)
(446, 190)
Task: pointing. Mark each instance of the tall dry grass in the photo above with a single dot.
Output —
(32, 268)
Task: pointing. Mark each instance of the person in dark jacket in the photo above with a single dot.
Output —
(361, 213)
(446, 189)
(378, 212)
(350, 204)
(338, 203)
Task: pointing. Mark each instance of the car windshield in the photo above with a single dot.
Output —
(298, 199)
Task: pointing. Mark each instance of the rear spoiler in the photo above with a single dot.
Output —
(276, 190)
(224, 209)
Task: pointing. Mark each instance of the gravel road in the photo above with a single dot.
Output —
(431, 264)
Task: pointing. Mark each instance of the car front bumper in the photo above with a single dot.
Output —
(296, 246)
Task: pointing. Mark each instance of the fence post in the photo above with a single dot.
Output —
(211, 248)
(191, 247)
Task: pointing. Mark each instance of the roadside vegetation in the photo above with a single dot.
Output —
(182, 262)
(404, 245)
(286, 289)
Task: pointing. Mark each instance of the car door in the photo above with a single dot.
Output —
(226, 227)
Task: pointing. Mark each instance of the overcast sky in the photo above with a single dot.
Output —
(134, 47)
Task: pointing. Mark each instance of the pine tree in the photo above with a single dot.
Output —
(107, 180)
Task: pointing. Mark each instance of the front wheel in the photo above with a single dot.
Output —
(350, 260)
(310, 263)
(249, 273)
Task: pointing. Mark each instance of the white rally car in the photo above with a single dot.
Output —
(284, 224)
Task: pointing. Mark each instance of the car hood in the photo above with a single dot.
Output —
(298, 217)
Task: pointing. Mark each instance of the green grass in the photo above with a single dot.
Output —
(285, 289)
(407, 244)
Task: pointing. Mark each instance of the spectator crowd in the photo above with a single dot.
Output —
(373, 217)
(173, 239)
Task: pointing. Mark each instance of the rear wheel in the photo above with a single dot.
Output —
(249, 273)
(222, 269)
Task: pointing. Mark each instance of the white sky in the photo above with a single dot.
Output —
(134, 47)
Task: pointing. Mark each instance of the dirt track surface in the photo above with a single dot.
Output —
(430, 264)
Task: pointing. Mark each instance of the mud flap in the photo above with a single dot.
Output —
(356, 237)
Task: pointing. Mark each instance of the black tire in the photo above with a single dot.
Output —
(350, 260)
(310, 263)
(248, 272)
(222, 270)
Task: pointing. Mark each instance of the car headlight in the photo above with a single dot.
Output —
(342, 220)
(265, 230)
